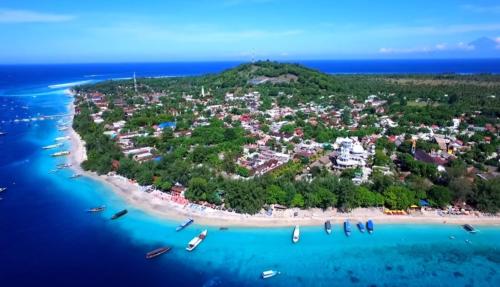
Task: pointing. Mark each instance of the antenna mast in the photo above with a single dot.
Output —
(135, 84)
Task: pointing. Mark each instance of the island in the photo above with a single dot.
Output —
(270, 143)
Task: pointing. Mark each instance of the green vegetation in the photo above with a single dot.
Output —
(204, 160)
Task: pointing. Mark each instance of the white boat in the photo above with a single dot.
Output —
(61, 139)
(269, 274)
(52, 146)
(197, 240)
(76, 175)
(296, 234)
(61, 153)
(3, 189)
(62, 129)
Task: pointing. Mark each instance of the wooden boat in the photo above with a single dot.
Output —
(97, 209)
(184, 224)
(369, 226)
(269, 274)
(157, 252)
(296, 234)
(469, 228)
(328, 227)
(197, 240)
(119, 214)
(347, 228)
(361, 227)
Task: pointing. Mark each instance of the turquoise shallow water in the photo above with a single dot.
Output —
(47, 238)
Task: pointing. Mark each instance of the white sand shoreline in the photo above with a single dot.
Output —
(153, 204)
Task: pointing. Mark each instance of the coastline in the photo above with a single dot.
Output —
(158, 204)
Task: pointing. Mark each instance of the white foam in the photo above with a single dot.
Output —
(68, 85)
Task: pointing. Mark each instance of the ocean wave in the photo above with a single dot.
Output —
(69, 85)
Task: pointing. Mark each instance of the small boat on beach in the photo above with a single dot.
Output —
(347, 228)
(296, 234)
(158, 252)
(197, 240)
(469, 228)
(328, 227)
(361, 227)
(61, 139)
(97, 209)
(369, 226)
(119, 214)
(184, 224)
(61, 153)
(269, 273)
(52, 146)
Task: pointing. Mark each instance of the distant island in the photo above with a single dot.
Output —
(267, 136)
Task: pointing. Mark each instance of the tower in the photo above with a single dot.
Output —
(135, 84)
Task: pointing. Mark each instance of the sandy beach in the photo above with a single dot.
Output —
(159, 204)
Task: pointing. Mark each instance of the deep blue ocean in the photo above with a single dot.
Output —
(47, 238)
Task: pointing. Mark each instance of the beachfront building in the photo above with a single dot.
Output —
(349, 153)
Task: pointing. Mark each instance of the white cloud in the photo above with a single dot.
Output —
(27, 16)
(428, 49)
(435, 30)
(192, 33)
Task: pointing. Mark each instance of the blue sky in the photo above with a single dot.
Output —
(67, 31)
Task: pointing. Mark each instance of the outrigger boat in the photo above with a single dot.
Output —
(369, 226)
(61, 153)
(61, 139)
(328, 227)
(296, 234)
(347, 228)
(97, 209)
(197, 240)
(361, 227)
(52, 146)
(119, 214)
(184, 224)
(63, 165)
(158, 252)
(269, 274)
(469, 228)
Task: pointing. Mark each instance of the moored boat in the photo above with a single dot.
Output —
(184, 224)
(3, 189)
(2, 133)
(61, 153)
(76, 175)
(52, 146)
(328, 227)
(97, 209)
(347, 228)
(119, 214)
(296, 234)
(197, 240)
(469, 228)
(269, 273)
(369, 226)
(61, 139)
(157, 252)
(361, 227)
